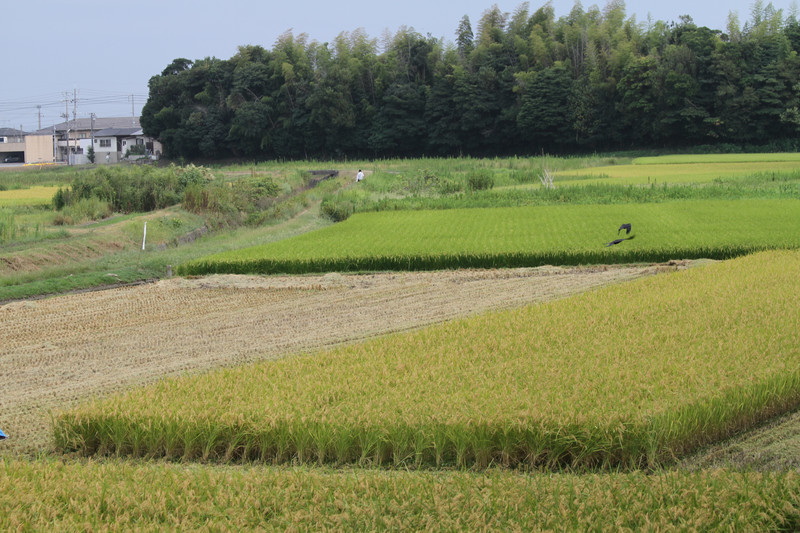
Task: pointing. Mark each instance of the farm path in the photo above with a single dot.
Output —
(58, 351)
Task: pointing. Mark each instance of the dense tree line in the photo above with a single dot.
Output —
(517, 83)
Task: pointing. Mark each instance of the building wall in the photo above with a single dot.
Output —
(11, 147)
(106, 154)
(38, 148)
(111, 141)
(158, 149)
(118, 146)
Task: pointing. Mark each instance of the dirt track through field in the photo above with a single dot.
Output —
(57, 351)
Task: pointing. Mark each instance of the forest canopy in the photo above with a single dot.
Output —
(516, 83)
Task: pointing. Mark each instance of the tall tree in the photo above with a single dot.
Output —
(464, 37)
(544, 117)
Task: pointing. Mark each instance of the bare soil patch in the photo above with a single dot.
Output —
(58, 351)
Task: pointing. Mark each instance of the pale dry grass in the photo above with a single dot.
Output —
(57, 351)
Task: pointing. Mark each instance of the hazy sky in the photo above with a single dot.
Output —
(108, 50)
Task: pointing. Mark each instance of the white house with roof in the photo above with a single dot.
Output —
(112, 137)
(114, 144)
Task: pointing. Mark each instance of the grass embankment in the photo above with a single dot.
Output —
(44, 495)
(629, 376)
(522, 237)
(111, 253)
(47, 252)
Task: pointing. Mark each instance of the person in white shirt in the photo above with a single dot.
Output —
(359, 176)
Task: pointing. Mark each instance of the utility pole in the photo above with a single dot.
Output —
(133, 113)
(75, 115)
(40, 115)
(66, 122)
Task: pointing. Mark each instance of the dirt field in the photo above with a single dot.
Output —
(57, 351)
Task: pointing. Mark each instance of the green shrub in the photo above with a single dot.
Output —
(191, 174)
(83, 210)
(448, 186)
(255, 193)
(137, 149)
(62, 198)
(337, 209)
(424, 182)
(214, 198)
(132, 189)
(480, 181)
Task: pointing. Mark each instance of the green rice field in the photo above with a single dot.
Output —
(629, 376)
(523, 236)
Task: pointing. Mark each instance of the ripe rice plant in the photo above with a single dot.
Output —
(38, 195)
(781, 157)
(673, 171)
(522, 237)
(42, 496)
(628, 376)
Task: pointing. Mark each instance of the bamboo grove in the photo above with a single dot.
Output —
(521, 82)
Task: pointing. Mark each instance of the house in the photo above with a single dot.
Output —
(119, 134)
(113, 144)
(20, 147)
(12, 144)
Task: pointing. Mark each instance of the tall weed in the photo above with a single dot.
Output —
(8, 226)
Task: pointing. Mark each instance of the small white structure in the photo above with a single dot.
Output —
(115, 144)
(113, 137)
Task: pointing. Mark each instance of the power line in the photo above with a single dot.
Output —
(33, 109)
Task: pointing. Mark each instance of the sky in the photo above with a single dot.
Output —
(106, 51)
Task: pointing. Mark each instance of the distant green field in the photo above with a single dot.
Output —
(674, 170)
(523, 236)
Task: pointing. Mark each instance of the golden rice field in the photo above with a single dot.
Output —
(36, 195)
(658, 173)
(57, 351)
(631, 375)
(777, 157)
(103, 496)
